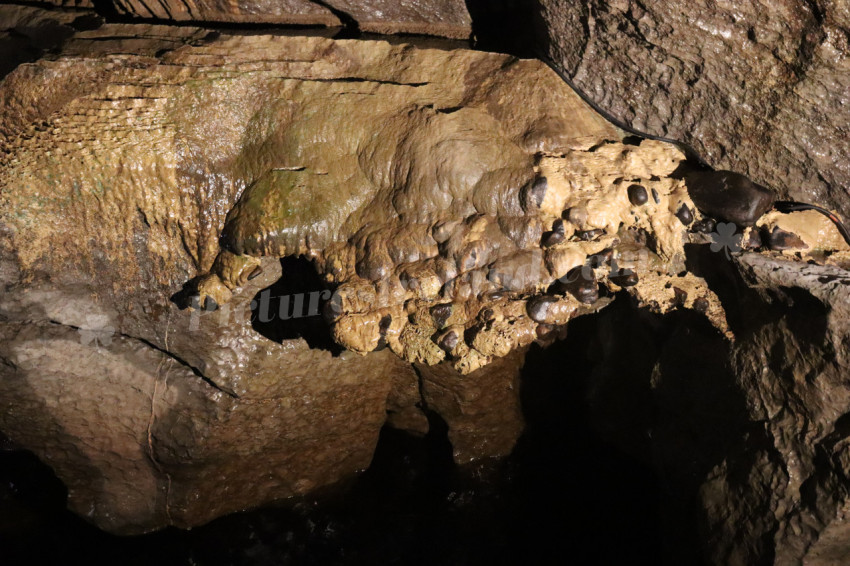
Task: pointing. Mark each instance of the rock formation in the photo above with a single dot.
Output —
(117, 184)
(446, 18)
(154, 415)
(128, 149)
(761, 92)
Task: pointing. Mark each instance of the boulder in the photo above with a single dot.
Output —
(760, 92)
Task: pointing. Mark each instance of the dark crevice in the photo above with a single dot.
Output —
(504, 26)
(350, 29)
(358, 80)
(292, 307)
(186, 364)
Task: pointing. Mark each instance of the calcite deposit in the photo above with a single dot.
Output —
(435, 211)
(447, 197)
(448, 234)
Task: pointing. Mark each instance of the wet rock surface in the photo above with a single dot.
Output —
(189, 414)
(782, 492)
(758, 92)
(153, 416)
(445, 18)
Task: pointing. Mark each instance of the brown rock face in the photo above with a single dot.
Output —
(153, 415)
(298, 12)
(761, 92)
(446, 18)
(126, 154)
(483, 413)
(782, 491)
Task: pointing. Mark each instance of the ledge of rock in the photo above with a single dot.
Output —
(442, 18)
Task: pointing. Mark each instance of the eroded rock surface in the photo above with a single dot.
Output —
(125, 156)
(446, 18)
(762, 92)
(188, 415)
(783, 491)
(126, 153)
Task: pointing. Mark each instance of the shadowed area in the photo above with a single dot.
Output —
(292, 307)
(571, 490)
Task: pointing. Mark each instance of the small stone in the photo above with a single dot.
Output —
(534, 193)
(637, 194)
(552, 238)
(441, 231)
(209, 304)
(685, 215)
(256, 272)
(544, 330)
(559, 227)
(625, 278)
(468, 261)
(588, 235)
(441, 314)
(557, 235)
(655, 196)
(679, 296)
(601, 258)
(448, 341)
(729, 196)
(704, 226)
(374, 272)
(780, 240)
(576, 215)
(581, 283)
(409, 282)
(538, 307)
(701, 305)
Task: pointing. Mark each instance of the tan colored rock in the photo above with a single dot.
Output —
(814, 229)
(122, 158)
(481, 409)
(297, 12)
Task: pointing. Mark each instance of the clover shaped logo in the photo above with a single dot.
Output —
(725, 238)
(97, 331)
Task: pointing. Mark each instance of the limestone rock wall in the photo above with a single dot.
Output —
(446, 18)
(783, 489)
(757, 88)
(117, 176)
